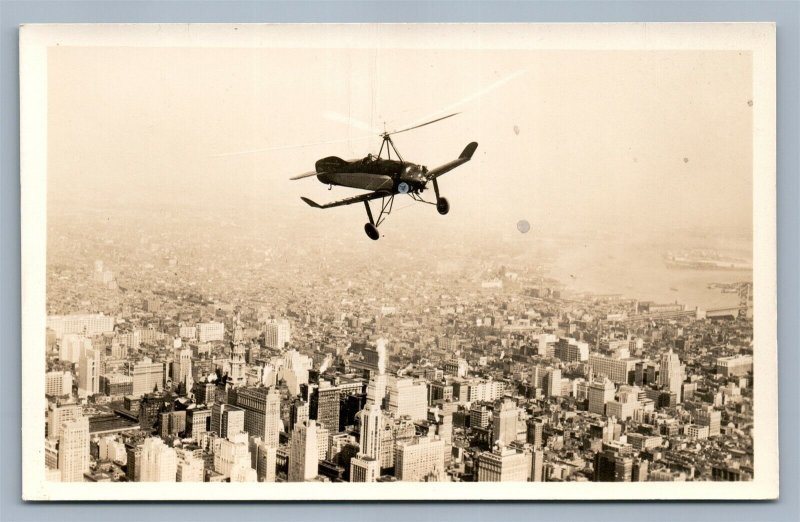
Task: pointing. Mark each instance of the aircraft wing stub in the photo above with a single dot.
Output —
(349, 201)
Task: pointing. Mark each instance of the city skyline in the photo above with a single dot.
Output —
(589, 312)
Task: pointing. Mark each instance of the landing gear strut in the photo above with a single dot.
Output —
(371, 228)
(442, 205)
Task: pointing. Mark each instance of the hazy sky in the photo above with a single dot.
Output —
(639, 140)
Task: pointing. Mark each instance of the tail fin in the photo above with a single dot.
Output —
(469, 151)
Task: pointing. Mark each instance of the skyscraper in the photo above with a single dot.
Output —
(552, 382)
(73, 449)
(262, 412)
(58, 383)
(182, 367)
(89, 373)
(190, 469)
(371, 428)
(147, 377)
(600, 392)
(670, 375)
(227, 420)
(420, 459)
(266, 462)
(303, 452)
(324, 406)
(408, 397)
(159, 462)
(277, 334)
(364, 469)
(504, 425)
(231, 454)
(57, 415)
(537, 466)
(502, 465)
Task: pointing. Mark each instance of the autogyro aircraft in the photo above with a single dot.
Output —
(385, 178)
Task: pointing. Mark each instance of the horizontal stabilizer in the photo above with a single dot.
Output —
(465, 156)
(469, 151)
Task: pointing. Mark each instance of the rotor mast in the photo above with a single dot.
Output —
(388, 144)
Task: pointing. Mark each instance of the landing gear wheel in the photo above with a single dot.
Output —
(443, 206)
(372, 231)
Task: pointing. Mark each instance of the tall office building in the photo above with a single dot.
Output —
(371, 431)
(376, 388)
(262, 412)
(148, 376)
(504, 422)
(89, 373)
(232, 454)
(537, 466)
(159, 462)
(227, 420)
(735, 365)
(708, 416)
(617, 369)
(182, 366)
(294, 370)
(613, 465)
(298, 412)
(364, 469)
(204, 392)
(303, 452)
(277, 334)
(57, 415)
(190, 469)
(211, 331)
(570, 350)
(73, 449)
(408, 397)
(325, 404)
(420, 460)
(323, 441)
(72, 346)
(552, 382)
(58, 383)
(88, 325)
(479, 415)
(133, 469)
(670, 374)
(535, 432)
(600, 392)
(502, 465)
(198, 422)
(266, 462)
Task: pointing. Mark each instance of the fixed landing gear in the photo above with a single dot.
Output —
(372, 231)
(371, 228)
(442, 206)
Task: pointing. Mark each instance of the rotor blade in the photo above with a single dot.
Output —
(422, 124)
(285, 147)
(349, 120)
(305, 175)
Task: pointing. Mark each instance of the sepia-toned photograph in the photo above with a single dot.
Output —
(411, 261)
